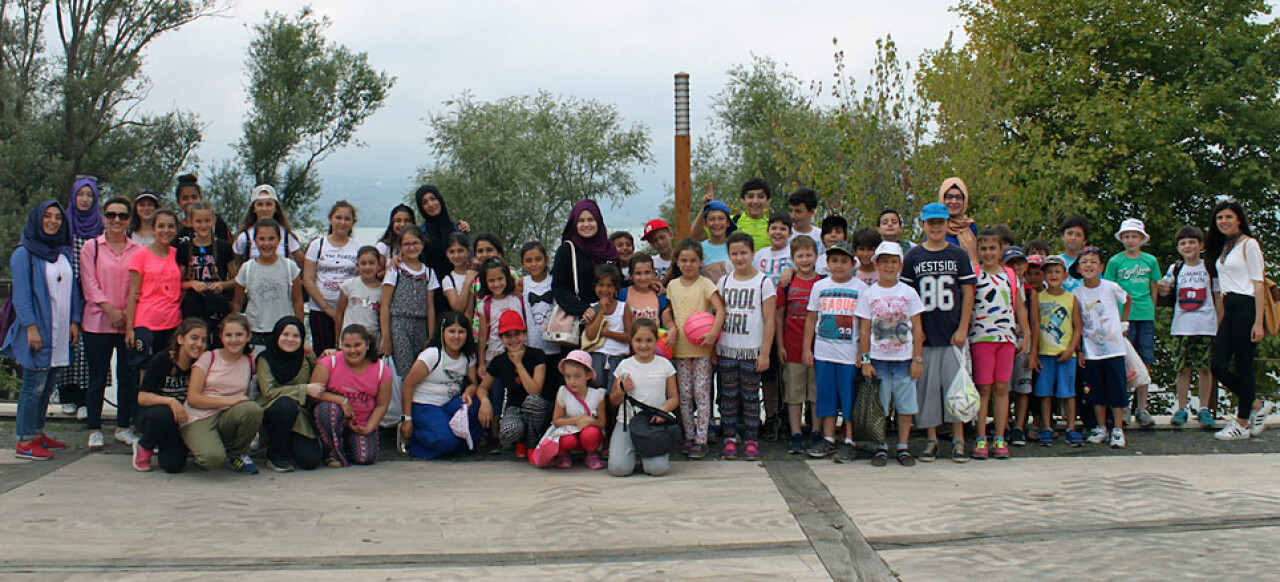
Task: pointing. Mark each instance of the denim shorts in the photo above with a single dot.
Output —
(1057, 379)
(1142, 334)
(896, 384)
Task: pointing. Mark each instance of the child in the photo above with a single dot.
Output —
(610, 323)
(155, 295)
(162, 395)
(264, 205)
(755, 195)
(142, 225)
(640, 299)
(999, 332)
(329, 260)
(267, 287)
(578, 421)
(1102, 322)
(487, 246)
(1033, 284)
(360, 298)
(834, 229)
(441, 382)
(1137, 272)
(689, 292)
(1060, 329)
(537, 297)
(658, 234)
(942, 275)
(499, 295)
(514, 382)
(802, 205)
(208, 271)
(865, 242)
(1036, 246)
(889, 225)
(221, 421)
(775, 259)
(352, 391)
(458, 285)
(1075, 236)
(1195, 322)
(407, 308)
(831, 348)
(714, 249)
(1021, 382)
(626, 245)
(401, 216)
(792, 311)
(651, 380)
(743, 349)
(889, 312)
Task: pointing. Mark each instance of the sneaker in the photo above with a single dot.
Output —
(32, 451)
(881, 458)
(729, 451)
(980, 449)
(1046, 437)
(1144, 419)
(1258, 419)
(563, 460)
(244, 464)
(929, 453)
(999, 450)
(958, 455)
(50, 444)
(1180, 417)
(1074, 438)
(797, 444)
(126, 436)
(1117, 438)
(141, 457)
(845, 453)
(824, 448)
(1018, 437)
(751, 452)
(522, 450)
(1232, 432)
(96, 441)
(1097, 436)
(82, 413)
(698, 451)
(1205, 418)
(69, 408)
(279, 466)
(814, 438)
(905, 459)
(686, 448)
(594, 462)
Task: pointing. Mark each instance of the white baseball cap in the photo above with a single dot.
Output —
(263, 192)
(887, 248)
(1133, 225)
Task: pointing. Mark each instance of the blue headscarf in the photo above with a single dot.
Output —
(45, 246)
(88, 224)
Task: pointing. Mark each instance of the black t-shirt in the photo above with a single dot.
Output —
(166, 379)
(502, 368)
(937, 277)
(207, 264)
(186, 233)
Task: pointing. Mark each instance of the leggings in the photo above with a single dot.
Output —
(693, 376)
(526, 423)
(283, 443)
(339, 442)
(739, 398)
(158, 430)
(1233, 342)
(588, 440)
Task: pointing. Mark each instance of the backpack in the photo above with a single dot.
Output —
(7, 317)
(1270, 307)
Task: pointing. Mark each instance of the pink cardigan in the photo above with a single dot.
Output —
(104, 278)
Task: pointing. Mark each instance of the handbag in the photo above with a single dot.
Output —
(562, 327)
(650, 439)
(591, 344)
(868, 413)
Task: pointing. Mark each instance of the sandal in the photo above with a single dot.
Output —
(881, 458)
(930, 452)
(333, 463)
(905, 459)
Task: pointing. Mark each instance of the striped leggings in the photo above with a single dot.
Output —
(739, 398)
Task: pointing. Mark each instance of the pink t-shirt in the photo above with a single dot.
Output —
(223, 379)
(361, 390)
(160, 298)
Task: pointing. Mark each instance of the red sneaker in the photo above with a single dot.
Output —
(48, 443)
(141, 457)
(32, 451)
(521, 450)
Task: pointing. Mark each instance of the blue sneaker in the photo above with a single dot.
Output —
(1046, 438)
(244, 464)
(797, 444)
(1180, 417)
(1205, 418)
(1074, 438)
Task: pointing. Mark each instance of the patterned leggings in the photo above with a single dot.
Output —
(739, 398)
(693, 375)
(408, 339)
(339, 442)
(524, 424)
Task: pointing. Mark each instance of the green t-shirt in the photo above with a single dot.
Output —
(758, 228)
(1135, 277)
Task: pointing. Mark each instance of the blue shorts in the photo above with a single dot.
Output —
(835, 389)
(1142, 334)
(896, 383)
(1057, 379)
(1106, 381)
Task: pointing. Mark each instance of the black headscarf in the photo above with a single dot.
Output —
(436, 229)
(285, 365)
(45, 246)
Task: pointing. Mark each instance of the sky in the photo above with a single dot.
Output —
(622, 53)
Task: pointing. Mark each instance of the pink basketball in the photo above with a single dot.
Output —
(699, 327)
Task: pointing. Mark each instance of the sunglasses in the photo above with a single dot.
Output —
(116, 215)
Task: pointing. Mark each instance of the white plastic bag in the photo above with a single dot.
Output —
(962, 396)
(394, 409)
(1135, 371)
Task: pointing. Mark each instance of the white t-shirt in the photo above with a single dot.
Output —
(333, 266)
(384, 249)
(245, 240)
(393, 276)
(454, 282)
(835, 335)
(1103, 335)
(1239, 269)
(660, 266)
(814, 233)
(445, 380)
(651, 383)
(743, 329)
(616, 323)
(890, 310)
(362, 305)
(269, 289)
(1194, 312)
(772, 262)
(538, 303)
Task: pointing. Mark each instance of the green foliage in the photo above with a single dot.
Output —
(516, 166)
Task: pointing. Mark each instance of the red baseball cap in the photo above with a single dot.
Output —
(652, 226)
(510, 321)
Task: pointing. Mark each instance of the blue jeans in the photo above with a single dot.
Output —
(97, 350)
(33, 402)
(603, 365)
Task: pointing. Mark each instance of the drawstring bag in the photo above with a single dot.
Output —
(962, 395)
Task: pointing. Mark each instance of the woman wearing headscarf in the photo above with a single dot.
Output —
(284, 373)
(47, 308)
(437, 226)
(586, 239)
(961, 230)
(86, 224)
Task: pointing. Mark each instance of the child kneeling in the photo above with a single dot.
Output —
(578, 421)
(649, 379)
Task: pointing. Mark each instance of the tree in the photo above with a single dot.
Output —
(516, 166)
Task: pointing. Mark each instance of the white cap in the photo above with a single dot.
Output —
(263, 192)
(888, 248)
(1133, 225)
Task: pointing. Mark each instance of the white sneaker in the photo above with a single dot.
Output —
(68, 408)
(1117, 438)
(1097, 436)
(96, 441)
(126, 436)
(82, 413)
(1258, 419)
(1233, 432)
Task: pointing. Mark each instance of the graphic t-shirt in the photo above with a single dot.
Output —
(869, 277)
(1103, 336)
(363, 303)
(269, 289)
(1070, 283)
(1056, 326)
(1135, 276)
(1194, 312)
(743, 329)
(165, 379)
(994, 319)
(835, 335)
(794, 299)
(444, 382)
(772, 262)
(333, 266)
(538, 303)
(939, 278)
(660, 266)
(206, 264)
(890, 310)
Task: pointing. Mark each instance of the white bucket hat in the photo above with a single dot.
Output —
(1133, 225)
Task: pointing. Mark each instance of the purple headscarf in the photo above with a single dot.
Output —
(85, 225)
(599, 247)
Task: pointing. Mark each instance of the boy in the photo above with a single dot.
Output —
(1196, 304)
(831, 348)
(776, 258)
(792, 311)
(889, 225)
(743, 348)
(1036, 246)
(1103, 322)
(895, 349)
(626, 246)
(1136, 272)
(1059, 330)
(658, 234)
(801, 205)
(943, 277)
(1021, 383)
(715, 250)
(755, 197)
(1075, 236)
(865, 242)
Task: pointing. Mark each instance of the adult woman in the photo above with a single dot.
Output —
(142, 225)
(155, 295)
(961, 230)
(104, 270)
(47, 308)
(437, 226)
(263, 203)
(221, 420)
(1235, 259)
(187, 193)
(441, 381)
(355, 397)
(162, 399)
(329, 261)
(586, 237)
(85, 221)
(284, 373)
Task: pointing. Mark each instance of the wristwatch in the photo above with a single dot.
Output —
(866, 358)
(406, 418)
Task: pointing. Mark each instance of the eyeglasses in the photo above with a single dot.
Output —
(950, 196)
(116, 215)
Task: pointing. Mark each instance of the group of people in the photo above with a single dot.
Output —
(589, 350)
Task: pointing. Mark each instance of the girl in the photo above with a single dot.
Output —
(355, 396)
(47, 309)
(1103, 338)
(360, 298)
(498, 297)
(649, 379)
(284, 370)
(268, 283)
(999, 320)
(578, 421)
(434, 392)
(688, 292)
(743, 349)
(188, 193)
(401, 216)
(264, 205)
(208, 271)
(513, 386)
(85, 222)
(329, 261)
(641, 300)
(538, 303)
(487, 246)
(104, 264)
(436, 228)
(626, 245)
(609, 324)
(142, 226)
(457, 284)
(162, 396)
(221, 420)
(407, 307)
(155, 297)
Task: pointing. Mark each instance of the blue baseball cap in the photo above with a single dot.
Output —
(716, 205)
(934, 210)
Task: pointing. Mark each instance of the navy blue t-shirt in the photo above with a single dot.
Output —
(937, 277)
